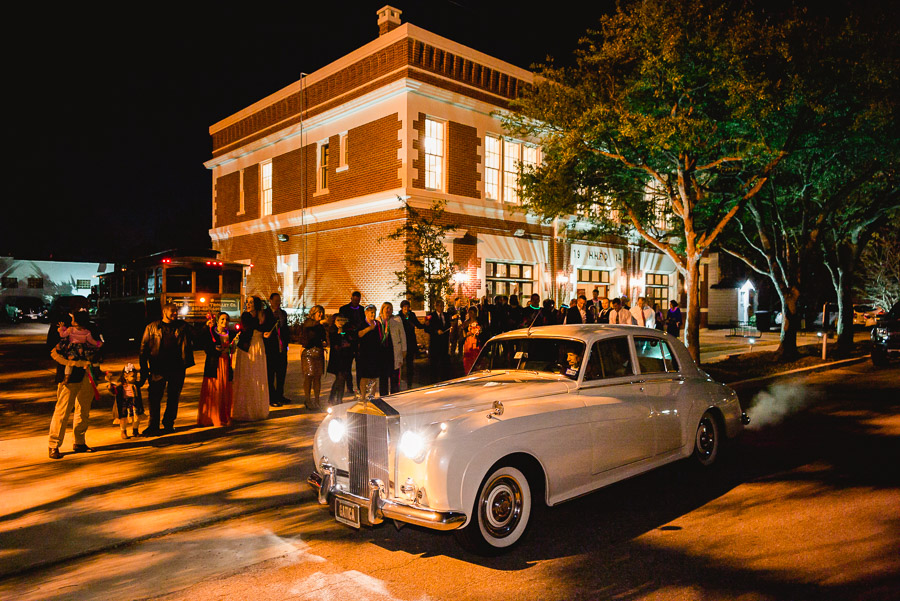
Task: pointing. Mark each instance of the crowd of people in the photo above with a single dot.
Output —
(245, 366)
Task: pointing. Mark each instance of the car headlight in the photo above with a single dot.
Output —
(412, 445)
(336, 430)
(881, 332)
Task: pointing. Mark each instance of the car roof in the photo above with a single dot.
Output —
(582, 330)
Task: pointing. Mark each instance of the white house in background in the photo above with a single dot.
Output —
(730, 293)
(48, 279)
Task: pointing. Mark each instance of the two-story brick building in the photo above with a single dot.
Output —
(306, 181)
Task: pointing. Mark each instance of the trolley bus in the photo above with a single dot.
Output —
(197, 282)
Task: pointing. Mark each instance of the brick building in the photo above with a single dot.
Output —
(306, 181)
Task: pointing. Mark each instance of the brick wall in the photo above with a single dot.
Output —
(335, 258)
(418, 153)
(463, 160)
(227, 198)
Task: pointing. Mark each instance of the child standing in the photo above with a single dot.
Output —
(76, 348)
(129, 406)
(339, 359)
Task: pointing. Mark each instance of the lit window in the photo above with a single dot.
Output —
(83, 284)
(266, 187)
(502, 181)
(323, 167)
(434, 154)
(35, 283)
(511, 159)
(8, 282)
(492, 167)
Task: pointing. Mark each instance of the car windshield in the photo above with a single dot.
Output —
(550, 355)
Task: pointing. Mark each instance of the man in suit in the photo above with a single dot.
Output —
(275, 340)
(438, 328)
(580, 313)
(620, 314)
(603, 311)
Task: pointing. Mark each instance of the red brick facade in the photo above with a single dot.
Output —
(334, 240)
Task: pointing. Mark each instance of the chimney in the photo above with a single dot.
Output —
(388, 19)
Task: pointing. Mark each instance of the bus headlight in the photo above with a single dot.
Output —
(336, 430)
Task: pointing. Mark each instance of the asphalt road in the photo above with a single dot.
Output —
(804, 507)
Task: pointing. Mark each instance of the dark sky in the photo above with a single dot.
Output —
(108, 128)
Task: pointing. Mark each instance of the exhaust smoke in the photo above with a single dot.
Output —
(771, 406)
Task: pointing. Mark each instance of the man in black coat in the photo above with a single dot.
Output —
(580, 313)
(166, 353)
(276, 339)
(356, 320)
(438, 327)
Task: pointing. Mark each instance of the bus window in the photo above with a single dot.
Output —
(178, 279)
(231, 282)
(142, 283)
(151, 282)
(208, 280)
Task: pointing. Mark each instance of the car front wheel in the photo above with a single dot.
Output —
(707, 441)
(501, 513)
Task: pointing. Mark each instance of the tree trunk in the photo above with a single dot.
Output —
(845, 311)
(790, 324)
(692, 321)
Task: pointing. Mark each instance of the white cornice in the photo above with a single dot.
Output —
(339, 112)
(407, 30)
(353, 207)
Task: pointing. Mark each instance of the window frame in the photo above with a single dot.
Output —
(509, 167)
(343, 150)
(432, 159)
(265, 192)
(603, 379)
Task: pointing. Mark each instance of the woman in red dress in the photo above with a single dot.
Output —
(216, 395)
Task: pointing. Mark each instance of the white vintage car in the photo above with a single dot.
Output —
(543, 416)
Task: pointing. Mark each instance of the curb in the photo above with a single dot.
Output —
(812, 368)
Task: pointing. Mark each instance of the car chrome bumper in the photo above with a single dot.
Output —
(376, 509)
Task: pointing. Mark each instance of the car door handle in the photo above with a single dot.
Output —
(638, 381)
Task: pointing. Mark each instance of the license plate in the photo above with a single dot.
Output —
(347, 513)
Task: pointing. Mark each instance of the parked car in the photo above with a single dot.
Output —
(543, 417)
(32, 308)
(886, 336)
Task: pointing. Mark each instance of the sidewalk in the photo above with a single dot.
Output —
(137, 489)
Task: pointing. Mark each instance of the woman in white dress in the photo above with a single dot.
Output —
(251, 382)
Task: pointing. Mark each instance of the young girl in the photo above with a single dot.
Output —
(129, 406)
(76, 348)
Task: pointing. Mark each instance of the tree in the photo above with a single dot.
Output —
(826, 199)
(428, 271)
(668, 124)
(879, 277)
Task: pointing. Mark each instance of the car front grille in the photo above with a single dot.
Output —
(368, 451)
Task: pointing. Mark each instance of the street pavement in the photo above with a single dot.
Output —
(74, 527)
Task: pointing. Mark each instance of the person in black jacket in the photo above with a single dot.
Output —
(276, 339)
(356, 320)
(166, 353)
(438, 327)
(410, 324)
(580, 313)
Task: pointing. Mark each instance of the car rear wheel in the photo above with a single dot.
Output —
(707, 443)
(501, 513)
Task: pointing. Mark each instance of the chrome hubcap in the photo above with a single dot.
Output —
(706, 438)
(501, 506)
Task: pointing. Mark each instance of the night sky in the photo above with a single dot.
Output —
(111, 110)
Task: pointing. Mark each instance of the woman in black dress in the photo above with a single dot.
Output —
(369, 358)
